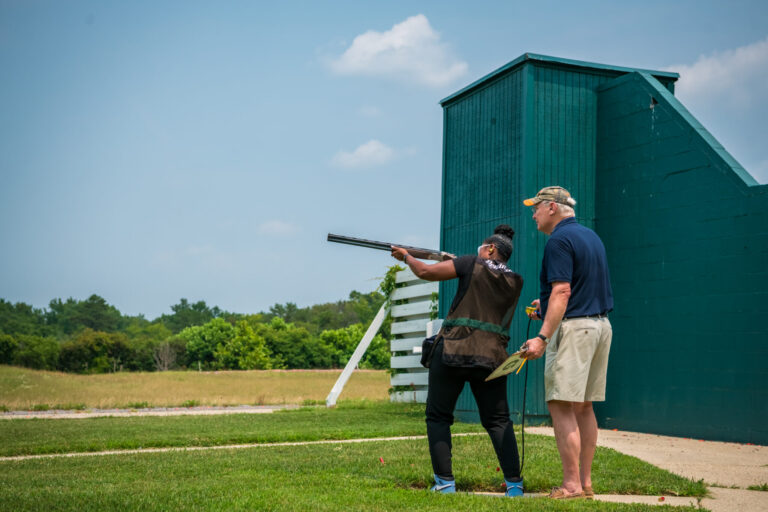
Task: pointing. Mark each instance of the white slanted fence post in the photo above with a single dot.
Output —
(357, 355)
(411, 309)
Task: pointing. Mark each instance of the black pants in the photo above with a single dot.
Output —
(445, 385)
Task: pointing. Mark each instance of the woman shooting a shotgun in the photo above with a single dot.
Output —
(470, 345)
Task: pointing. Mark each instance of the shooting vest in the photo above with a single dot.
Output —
(476, 330)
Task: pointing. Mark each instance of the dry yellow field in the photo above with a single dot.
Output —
(22, 389)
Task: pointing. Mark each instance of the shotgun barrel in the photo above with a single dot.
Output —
(416, 252)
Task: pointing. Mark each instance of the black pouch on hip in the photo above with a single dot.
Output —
(427, 350)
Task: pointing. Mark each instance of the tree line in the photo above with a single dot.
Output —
(92, 336)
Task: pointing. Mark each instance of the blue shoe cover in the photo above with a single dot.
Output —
(514, 489)
(444, 486)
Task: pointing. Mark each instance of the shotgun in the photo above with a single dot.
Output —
(416, 252)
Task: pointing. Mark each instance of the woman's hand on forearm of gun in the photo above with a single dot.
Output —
(437, 272)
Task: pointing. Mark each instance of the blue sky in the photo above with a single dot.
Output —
(153, 150)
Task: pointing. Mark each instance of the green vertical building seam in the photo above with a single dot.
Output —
(441, 289)
(526, 240)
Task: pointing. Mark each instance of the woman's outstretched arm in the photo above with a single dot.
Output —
(438, 272)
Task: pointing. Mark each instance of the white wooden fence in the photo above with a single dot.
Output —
(411, 308)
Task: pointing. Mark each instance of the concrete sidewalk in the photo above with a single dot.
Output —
(150, 411)
(720, 465)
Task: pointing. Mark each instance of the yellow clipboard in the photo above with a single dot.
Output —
(513, 362)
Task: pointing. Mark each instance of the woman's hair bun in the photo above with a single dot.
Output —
(504, 230)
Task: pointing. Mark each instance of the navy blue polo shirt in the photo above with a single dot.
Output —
(575, 254)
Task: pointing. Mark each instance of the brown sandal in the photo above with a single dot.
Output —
(559, 493)
(589, 493)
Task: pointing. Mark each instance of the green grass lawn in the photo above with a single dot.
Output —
(349, 420)
(314, 477)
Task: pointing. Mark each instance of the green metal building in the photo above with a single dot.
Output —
(685, 228)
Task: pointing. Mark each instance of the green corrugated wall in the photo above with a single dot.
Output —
(686, 231)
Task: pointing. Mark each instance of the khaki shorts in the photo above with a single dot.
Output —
(577, 360)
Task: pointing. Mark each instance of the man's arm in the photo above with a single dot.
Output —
(558, 303)
(438, 272)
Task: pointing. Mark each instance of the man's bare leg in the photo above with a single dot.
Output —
(568, 442)
(585, 417)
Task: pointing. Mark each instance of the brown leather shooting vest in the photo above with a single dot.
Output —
(476, 330)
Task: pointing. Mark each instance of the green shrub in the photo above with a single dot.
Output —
(202, 340)
(92, 351)
(8, 348)
(41, 353)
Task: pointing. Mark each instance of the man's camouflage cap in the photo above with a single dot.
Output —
(554, 194)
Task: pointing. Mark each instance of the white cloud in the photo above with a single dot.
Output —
(276, 228)
(370, 154)
(409, 51)
(726, 92)
(739, 76)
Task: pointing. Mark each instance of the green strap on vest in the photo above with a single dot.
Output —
(475, 324)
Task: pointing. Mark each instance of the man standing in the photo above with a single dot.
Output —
(575, 299)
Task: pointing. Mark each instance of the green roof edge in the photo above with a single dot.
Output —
(702, 132)
(534, 57)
